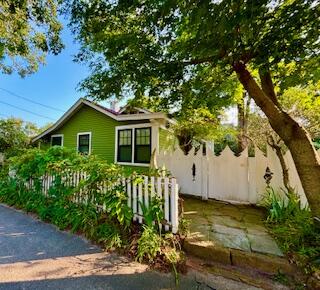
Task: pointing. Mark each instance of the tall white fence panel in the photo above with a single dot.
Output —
(228, 177)
(235, 185)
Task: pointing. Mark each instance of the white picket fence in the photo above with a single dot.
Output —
(228, 177)
(138, 193)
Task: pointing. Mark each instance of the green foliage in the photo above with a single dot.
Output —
(110, 235)
(281, 278)
(116, 203)
(149, 244)
(316, 144)
(282, 206)
(180, 53)
(29, 30)
(184, 226)
(293, 227)
(303, 103)
(153, 214)
(15, 135)
(194, 126)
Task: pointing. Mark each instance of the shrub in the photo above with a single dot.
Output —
(293, 227)
(149, 244)
(282, 205)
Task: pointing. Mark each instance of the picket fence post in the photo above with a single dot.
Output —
(174, 206)
(166, 201)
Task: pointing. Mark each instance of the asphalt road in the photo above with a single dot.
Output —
(35, 255)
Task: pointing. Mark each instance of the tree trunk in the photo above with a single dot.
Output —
(294, 136)
(285, 170)
(243, 108)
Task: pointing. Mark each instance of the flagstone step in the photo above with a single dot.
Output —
(249, 277)
(264, 263)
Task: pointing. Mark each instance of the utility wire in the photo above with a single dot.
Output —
(30, 112)
(31, 101)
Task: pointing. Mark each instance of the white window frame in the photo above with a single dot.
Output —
(57, 135)
(90, 140)
(133, 127)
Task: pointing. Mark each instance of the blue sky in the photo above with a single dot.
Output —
(54, 85)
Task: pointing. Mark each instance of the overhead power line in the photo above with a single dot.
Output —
(30, 112)
(31, 101)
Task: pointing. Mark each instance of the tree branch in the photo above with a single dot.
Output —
(267, 85)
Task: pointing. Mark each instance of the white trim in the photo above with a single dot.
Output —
(81, 101)
(134, 126)
(57, 135)
(90, 139)
(142, 125)
(133, 164)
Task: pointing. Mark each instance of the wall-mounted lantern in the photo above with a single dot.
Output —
(268, 176)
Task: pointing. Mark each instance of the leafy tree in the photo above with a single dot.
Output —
(15, 135)
(302, 103)
(157, 48)
(29, 29)
(193, 127)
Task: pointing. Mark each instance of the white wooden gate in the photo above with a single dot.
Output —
(228, 177)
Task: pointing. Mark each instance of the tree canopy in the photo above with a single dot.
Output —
(172, 48)
(166, 47)
(15, 135)
(29, 29)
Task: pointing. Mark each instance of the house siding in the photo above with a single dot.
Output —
(102, 130)
(100, 126)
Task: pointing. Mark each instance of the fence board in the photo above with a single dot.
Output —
(166, 201)
(140, 200)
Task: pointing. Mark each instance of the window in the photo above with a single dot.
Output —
(125, 145)
(134, 145)
(57, 140)
(142, 152)
(84, 143)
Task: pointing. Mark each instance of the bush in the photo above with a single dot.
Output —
(149, 244)
(293, 227)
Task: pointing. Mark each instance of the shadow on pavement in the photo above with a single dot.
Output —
(23, 238)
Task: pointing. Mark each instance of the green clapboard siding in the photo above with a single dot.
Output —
(102, 130)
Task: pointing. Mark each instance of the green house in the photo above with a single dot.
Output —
(127, 137)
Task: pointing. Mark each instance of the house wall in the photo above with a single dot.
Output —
(102, 130)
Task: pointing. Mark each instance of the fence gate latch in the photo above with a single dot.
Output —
(193, 172)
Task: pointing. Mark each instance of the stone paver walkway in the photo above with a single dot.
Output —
(232, 226)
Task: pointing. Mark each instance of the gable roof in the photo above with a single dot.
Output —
(118, 116)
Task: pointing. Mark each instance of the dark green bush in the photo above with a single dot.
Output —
(293, 227)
